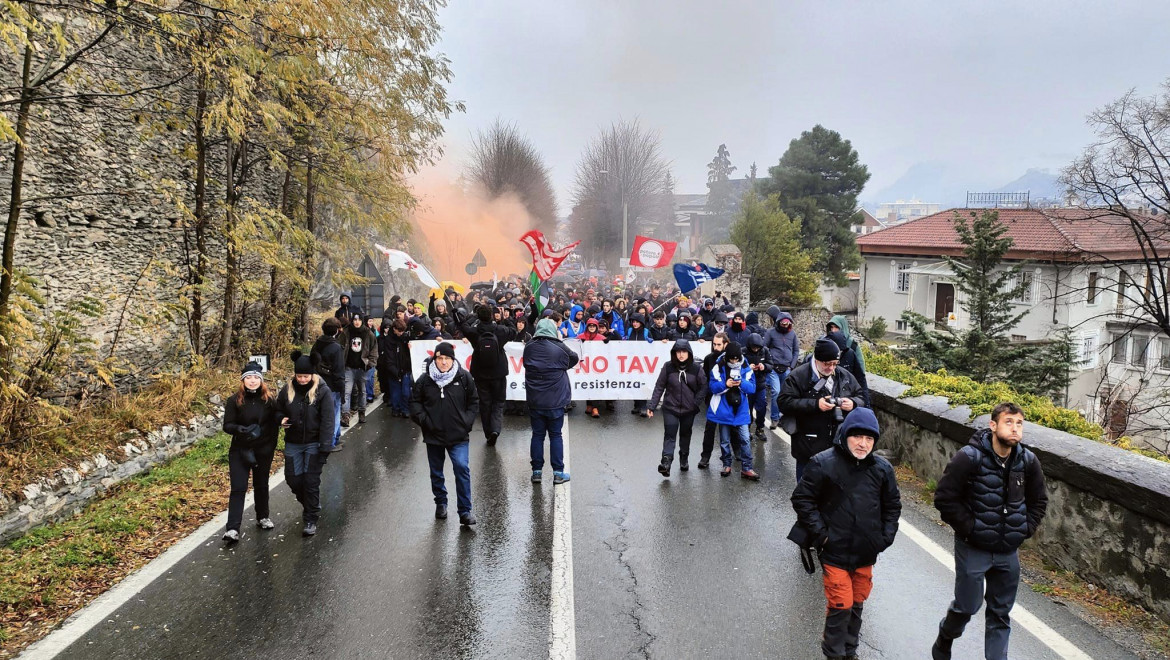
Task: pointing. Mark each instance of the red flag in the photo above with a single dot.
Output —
(545, 259)
(651, 253)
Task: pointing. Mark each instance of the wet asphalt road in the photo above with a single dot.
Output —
(691, 566)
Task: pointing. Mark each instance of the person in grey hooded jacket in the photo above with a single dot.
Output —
(784, 349)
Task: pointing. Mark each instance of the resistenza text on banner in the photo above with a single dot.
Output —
(607, 371)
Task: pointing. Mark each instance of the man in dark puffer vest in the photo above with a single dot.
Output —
(992, 494)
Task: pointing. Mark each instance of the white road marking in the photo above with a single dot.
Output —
(104, 606)
(562, 634)
(1030, 622)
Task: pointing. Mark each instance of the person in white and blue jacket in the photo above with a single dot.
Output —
(732, 383)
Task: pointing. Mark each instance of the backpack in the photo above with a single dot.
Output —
(487, 356)
(325, 365)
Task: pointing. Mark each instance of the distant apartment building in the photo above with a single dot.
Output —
(892, 213)
(869, 224)
(1082, 275)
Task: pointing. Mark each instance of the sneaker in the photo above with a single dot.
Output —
(683, 466)
(346, 419)
(467, 519)
(309, 530)
(750, 474)
(725, 472)
(536, 476)
(265, 523)
(560, 477)
(339, 446)
(664, 466)
(774, 424)
(703, 463)
(231, 536)
(440, 512)
(491, 439)
(362, 416)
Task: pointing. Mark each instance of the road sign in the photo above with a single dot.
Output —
(471, 268)
(479, 259)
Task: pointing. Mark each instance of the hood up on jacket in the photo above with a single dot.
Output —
(682, 345)
(546, 328)
(841, 322)
(859, 419)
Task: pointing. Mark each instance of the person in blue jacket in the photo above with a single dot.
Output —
(547, 388)
(575, 324)
(611, 317)
(732, 383)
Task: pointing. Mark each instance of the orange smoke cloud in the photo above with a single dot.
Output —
(456, 223)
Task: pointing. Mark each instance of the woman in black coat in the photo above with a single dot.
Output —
(681, 388)
(444, 403)
(305, 409)
(249, 416)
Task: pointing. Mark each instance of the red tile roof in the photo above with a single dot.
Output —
(1048, 234)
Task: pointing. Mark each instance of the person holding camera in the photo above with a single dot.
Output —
(249, 417)
(847, 507)
(815, 398)
(732, 383)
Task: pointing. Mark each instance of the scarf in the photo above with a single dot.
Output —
(442, 379)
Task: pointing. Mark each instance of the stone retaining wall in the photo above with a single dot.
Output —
(70, 490)
(1108, 509)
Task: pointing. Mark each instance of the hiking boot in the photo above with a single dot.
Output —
(346, 418)
(467, 519)
(440, 512)
(491, 439)
(536, 476)
(941, 649)
(362, 416)
(683, 466)
(560, 477)
(703, 463)
(309, 530)
(725, 472)
(750, 474)
(338, 447)
(664, 466)
(265, 523)
(231, 536)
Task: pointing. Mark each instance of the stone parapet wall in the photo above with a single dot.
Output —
(1108, 509)
(70, 490)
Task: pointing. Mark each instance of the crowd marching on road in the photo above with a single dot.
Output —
(847, 500)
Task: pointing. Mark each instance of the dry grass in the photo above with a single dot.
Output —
(171, 399)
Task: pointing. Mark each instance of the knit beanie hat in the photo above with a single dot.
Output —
(733, 352)
(303, 364)
(445, 349)
(826, 350)
(253, 369)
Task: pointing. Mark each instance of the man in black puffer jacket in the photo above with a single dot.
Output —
(992, 494)
(811, 397)
(444, 404)
(849, 504)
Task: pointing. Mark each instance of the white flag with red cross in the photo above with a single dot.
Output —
(400, 260)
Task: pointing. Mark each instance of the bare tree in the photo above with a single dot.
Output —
(504, 161)
(620, 176)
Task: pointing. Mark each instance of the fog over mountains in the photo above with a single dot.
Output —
(948, 185)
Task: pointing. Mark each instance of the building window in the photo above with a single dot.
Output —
(1164, 354)
(1122, 285)
(1087, 351)
(1119, 343)
(900, 325)
(1141, 346)
(902, 278)
(1019, 338)
(1028, 282)
(1091, 294)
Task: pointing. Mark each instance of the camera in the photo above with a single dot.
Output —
(838, 414)
(734, 373)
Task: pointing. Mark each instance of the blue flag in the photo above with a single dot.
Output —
(690, 277)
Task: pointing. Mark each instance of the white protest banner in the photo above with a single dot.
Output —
(619, 370)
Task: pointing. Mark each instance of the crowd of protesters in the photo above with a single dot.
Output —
(846, 498)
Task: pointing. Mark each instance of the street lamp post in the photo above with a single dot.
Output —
(625, 220)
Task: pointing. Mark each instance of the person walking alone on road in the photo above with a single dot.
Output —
(305, 409)
(682, 389)
(732, 383)
(444, 404)
(546, 383)
(250, 418)
(848, 502)
(992, 494)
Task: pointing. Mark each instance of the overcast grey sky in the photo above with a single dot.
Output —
(989, 87)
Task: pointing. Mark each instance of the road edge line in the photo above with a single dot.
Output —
(1058, 643)
(562, 633)
(82, 621)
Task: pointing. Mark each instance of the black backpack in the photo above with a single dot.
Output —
(325, 363)
(488, 355)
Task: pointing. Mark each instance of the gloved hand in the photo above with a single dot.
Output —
(819, 543)
(250, 432)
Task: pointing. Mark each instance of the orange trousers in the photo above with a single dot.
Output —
(844, 589)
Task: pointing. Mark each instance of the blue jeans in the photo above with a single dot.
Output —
(758, 401)
(437, 456)
(743, 447)
(354, 376)
(550, 421)
(774, 381)
(336, 419)
(976, 569)
(400, 394)
(369, 385)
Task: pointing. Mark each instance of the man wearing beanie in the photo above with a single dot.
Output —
(443, 402)
(847, 506)
(814, 399)
(546, 383)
